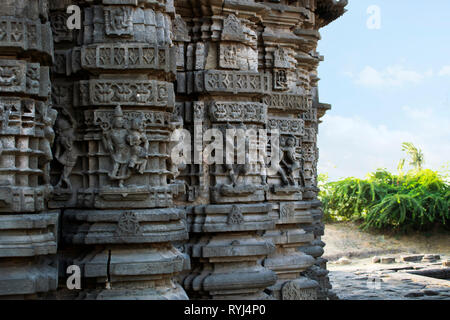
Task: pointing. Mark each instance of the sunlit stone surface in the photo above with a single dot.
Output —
(86, 121)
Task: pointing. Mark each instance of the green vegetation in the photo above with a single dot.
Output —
(416, 200)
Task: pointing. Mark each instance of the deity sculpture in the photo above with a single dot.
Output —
(291, 164)
(237, 169)
(66, 152)
(48, 118)
(116, 143)
(139, 144)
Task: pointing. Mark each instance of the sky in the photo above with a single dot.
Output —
(388, 81)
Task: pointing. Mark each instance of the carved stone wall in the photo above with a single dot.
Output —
(28, 231)
(92, 142)
(114, 178)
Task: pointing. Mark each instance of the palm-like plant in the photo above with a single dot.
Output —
(417, 158)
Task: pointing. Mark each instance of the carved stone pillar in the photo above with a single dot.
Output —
(28, 231)
(225, 90)
(288, 102)
(117, 180)
(290, 38)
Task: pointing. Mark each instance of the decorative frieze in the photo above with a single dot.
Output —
(238, 112)
(235, 82)
(127, 92)
(286, 102)
(127, 56)
(287, 126)
(124, 226)
(17, 34)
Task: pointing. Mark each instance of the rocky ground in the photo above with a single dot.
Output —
(370, 266)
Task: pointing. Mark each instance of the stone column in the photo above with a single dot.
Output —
(28, 231)
(288, 58)
(325, 12)
(229, 213)
(290, 39)
(118, 182)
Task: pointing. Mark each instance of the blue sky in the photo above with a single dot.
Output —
(387, 86)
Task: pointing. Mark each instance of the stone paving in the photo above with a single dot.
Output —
(364, 280)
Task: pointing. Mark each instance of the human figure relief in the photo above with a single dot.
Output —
(48, 115)
(235, 170)
(66, 152)
(262, 160)
(176, 123)
(115, 141)
(139, 145)
(290, 164)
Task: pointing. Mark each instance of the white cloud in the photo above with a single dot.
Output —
(353, 146)
(392, 76)
(445, 71)
(418, 114)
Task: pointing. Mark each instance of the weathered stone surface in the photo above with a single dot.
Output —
(412, 257)
(431, 258)
(113, 170)
(387, 260)
(86, 123)
(344, 261)
(28, 233)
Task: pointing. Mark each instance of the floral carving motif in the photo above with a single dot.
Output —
(238, 112)
(235, 216)
(128, 224)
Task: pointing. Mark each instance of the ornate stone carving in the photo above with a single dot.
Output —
(96, 141)
(304, 290)
(59, 27)
(287, 126)
(118, 21)
(180, 29)
(28, 232)
(128, 92)
(287, 210)
(235, 216)
(232, 82)
(291, 163)
(281, 59)
(280, 80)
(286, 102)
(128, 147)
(126, 56)
(128, 224)
(232, 29)
(229, 56)
(66, 152)
(238, 112)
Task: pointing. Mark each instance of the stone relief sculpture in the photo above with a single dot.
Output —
(86, 120)
(138, 141)
(117, 142)
(48, 115)
(66, 152)
(28, 229)
(291, 164)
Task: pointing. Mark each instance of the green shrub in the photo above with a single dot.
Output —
(417, 200)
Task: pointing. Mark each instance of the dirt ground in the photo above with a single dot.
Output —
(346, 239)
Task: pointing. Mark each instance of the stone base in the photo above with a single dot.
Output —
(27, 276)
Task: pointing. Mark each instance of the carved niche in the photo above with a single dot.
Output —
(232, 29)
(118, 21)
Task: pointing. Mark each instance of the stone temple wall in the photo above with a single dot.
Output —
(87, 173)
